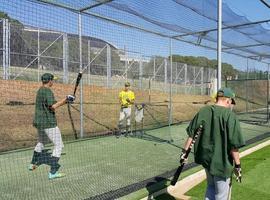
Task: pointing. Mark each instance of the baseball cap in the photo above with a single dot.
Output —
(48, 77)
(127, 84)
(226, 92)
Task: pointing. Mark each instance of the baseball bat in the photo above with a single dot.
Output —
(79, 76)
(180, 168)
(77, 82)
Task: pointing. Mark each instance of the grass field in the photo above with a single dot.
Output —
(99, 165)
(255, 183)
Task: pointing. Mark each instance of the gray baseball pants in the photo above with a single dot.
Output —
(217, 187)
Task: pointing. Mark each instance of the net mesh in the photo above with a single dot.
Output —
(165, 49)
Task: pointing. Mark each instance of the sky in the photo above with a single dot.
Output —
(144, 43)
(252, 9)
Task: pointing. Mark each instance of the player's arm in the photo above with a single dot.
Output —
(58, 104)
(131, 99)
(187, 143)
(68, 99)
(235, 156)
(237, 164)
(184, 150)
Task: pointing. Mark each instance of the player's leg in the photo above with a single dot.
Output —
(210, 190)
(222, 187)
(128, 119)
(54, 135)
(37, 155)
(121, 121)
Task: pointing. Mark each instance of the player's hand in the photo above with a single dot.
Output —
(128, 100)
(238, 173)
(70, 98)
(183, 160)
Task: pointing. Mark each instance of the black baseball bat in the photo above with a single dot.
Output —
(79, 76)
(180, 168)
(77, 82)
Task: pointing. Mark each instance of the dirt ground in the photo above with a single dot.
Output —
(101, 110)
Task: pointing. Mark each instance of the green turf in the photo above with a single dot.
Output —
(96, 166)
(92, 166)
(255, 183)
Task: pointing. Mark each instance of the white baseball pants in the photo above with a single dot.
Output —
(54, 136)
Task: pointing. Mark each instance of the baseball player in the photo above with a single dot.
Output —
(217, 147)
(126, 99)
(46, 124)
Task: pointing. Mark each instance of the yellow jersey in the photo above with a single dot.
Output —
(124, 95)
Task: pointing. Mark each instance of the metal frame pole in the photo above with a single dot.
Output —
(219, 44)
(267, 103)
(4, 48)
(165, 74)
(38, 54)
(140, 73)
(81, 85)
(171, 80)
(89, 61)
(185, 77)
(247, 77)
(65, 58)
(109, 66)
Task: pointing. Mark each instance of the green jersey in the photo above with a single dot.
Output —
(44, 116)
(221, 134)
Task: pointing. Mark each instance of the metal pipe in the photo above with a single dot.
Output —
(219, 44)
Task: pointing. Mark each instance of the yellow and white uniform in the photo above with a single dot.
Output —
(124, 96)
(126, 99)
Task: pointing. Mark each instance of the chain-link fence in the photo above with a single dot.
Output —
(31, 51)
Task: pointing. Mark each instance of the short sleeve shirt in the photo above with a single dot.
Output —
(221, 134)
(124, 95)
(44, 116)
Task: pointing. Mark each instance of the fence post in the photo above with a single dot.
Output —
(202, 85)
(171, 80)
(140, 73)
(126, 62)
(6, 49)
(247, 77)
(89, 61)
(81, 84)
(165, 74)
(154, 71)
(267, 103)
(65, 58)
(194, 80)
(38, 54)
(185, 66)
(109, 66)
(176, 78)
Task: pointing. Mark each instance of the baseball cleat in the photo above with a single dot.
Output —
(32, 167)
(56, 175)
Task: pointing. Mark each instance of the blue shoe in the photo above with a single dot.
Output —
(56, 175)
(32, 167)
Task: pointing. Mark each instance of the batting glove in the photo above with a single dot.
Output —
(183, 160)
(70, 98)
(238, 173)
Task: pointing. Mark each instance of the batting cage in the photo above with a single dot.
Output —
(100, 144)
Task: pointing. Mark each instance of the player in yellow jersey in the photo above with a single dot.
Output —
(126, 100)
